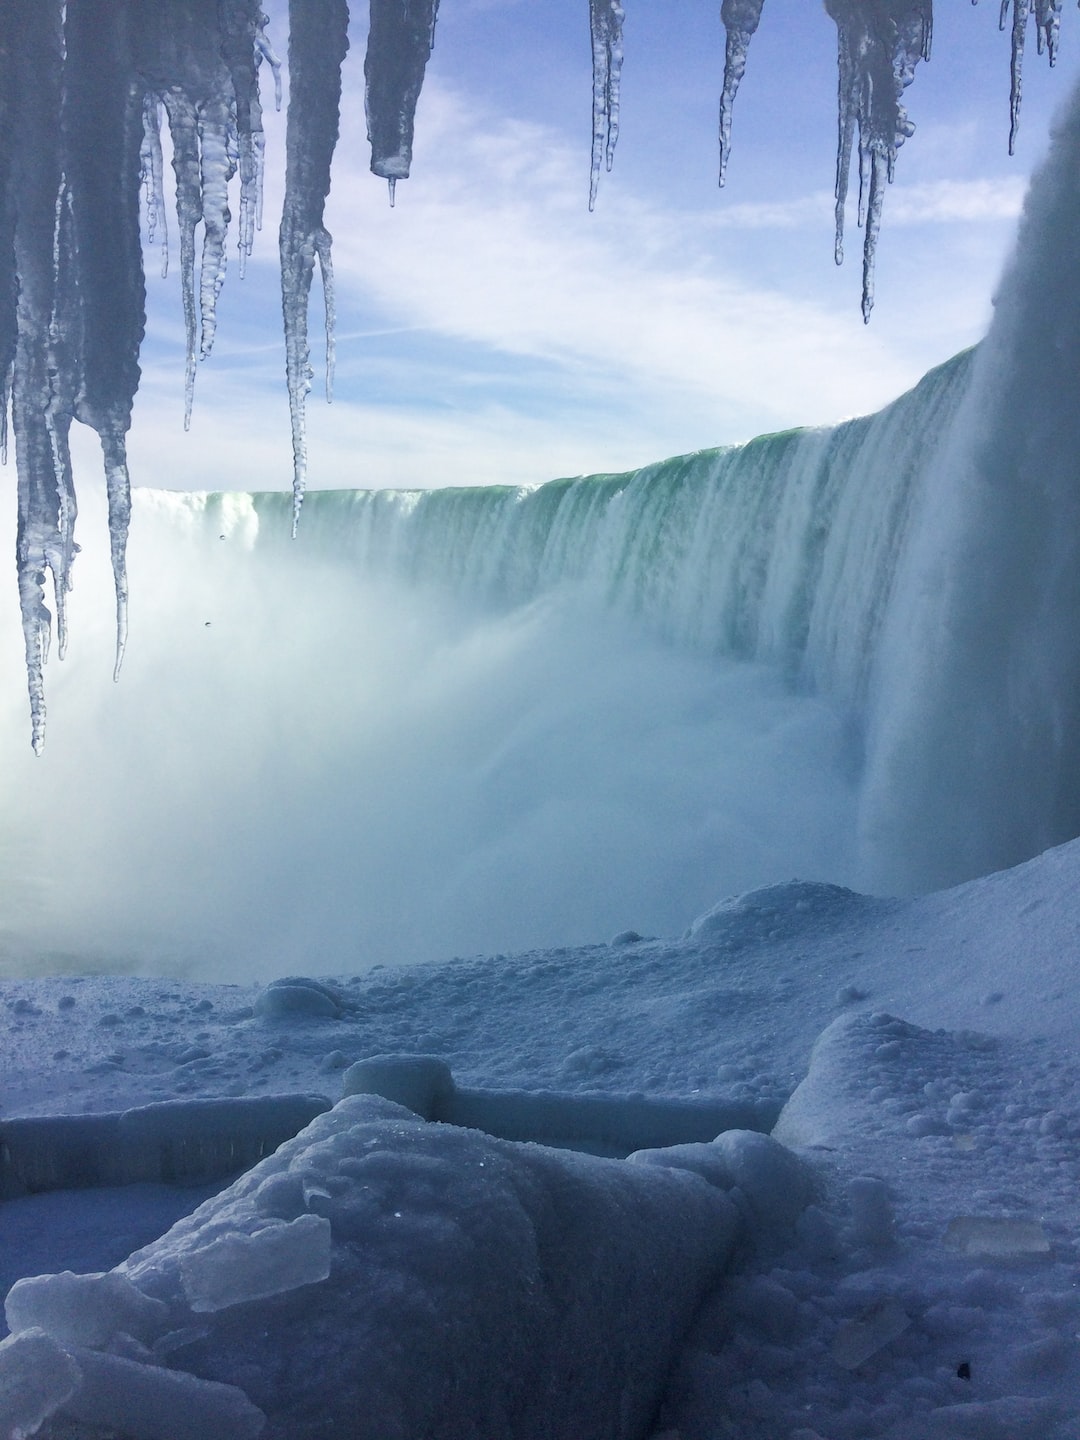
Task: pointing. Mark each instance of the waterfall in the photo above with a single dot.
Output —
(459, 719)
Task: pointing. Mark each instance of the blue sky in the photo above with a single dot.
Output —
(491, 330)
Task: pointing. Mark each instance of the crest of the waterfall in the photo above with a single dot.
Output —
(974, 739)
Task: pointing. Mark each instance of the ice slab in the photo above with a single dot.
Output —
(82, 1309)
(148, 1402)
(235, 1268)
(996, 1236)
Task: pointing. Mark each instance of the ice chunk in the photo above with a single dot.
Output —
(235, 1268)
(148, 1402)
(997, 1236)
(857, 1340)
(605, 28)
(36, 1377)
(83, 1309)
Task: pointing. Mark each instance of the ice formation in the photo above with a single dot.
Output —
(605, 28)
(357, 1281)
(83, 91)
(318, 39)
(740, 19)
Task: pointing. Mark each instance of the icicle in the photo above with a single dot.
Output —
(605, 27)
(105, 144)
(879, 45)
(740, 18)
(400, 38)
(217, 166)
(153, 176)
(1047, 22)
(183, 128)
(1021, 11)
(244, 47)
(9, 285)
(42, 369)
(118, 492)
(1047, 27)
(318, 40)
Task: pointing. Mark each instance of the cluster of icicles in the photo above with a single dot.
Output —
(84, 87)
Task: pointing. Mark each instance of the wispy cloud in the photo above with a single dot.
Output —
(490, 328)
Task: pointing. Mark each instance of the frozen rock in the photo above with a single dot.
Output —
(36, 1377)
(235, 1268)
(82, 1309)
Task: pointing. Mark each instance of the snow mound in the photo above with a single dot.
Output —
(776, 912)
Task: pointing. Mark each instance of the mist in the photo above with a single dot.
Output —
(302, 768)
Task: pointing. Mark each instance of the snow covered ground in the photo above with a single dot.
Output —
(925, 1053)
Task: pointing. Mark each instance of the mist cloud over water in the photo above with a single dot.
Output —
(305, 769)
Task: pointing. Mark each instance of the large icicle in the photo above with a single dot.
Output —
(740, 19)
(879, 44)
(605, 28)
(400, 38)
(41, 372)
(104, 138)
(318, 41)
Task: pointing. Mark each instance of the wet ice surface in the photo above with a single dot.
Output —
(929, 1050)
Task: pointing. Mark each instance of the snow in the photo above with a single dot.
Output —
(898, 1260)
